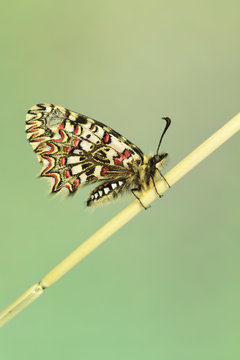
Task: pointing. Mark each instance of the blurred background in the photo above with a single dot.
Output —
(166, 286)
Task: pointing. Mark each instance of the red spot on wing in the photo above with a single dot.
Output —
(56, 178)
(61, 133)
(76, 142)
(68, 187)
(41, 147)
(76, 129)
(35, 132)
(121, 156)
(92, 127)
(41, 139)
(63, 161)
(106, 138)
(49, 164)
(104, 170)
(51, 150)
(61, 126)
(118, 161)
(68, 149)
(67, 173)
(37, 139)
(76, 182)
(126, 154)
(49, 159)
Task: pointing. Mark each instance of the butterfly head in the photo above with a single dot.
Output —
(156, 162)
(158, 159)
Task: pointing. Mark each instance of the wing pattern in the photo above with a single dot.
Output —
(76, 150)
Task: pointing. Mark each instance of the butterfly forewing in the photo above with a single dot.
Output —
(76, 150)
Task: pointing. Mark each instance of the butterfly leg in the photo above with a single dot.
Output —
(160, 195)
(138, 198)
(163, 178)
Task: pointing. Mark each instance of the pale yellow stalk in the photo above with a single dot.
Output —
(182, 168)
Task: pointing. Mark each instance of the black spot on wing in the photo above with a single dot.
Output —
(85, 166)
(82, 119)
(90, 171)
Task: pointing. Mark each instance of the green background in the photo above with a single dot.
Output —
(166, 286)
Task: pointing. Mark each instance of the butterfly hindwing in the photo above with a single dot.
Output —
(76, 150)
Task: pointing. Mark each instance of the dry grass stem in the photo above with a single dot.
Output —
(182, 168)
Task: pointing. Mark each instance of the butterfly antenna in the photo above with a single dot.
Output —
(168, 122)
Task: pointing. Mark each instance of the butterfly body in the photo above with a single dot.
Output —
(76, 150)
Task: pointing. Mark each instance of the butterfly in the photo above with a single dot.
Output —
(76, 150)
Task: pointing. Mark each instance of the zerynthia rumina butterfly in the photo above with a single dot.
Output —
(76, 150)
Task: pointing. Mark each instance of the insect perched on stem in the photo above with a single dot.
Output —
(76, 150)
